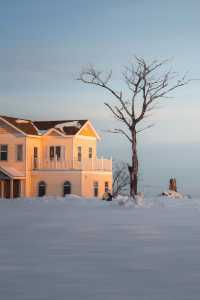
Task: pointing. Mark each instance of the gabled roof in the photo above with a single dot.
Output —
(65, 127)
(26, 126)
(68, 127)
(11, 172)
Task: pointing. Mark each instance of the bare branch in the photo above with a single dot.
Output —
(120, 131)
(91, 76)
(121, 178)
(147, 84)
(144, 128)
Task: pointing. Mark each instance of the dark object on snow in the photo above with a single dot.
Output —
(107, 196)
(172, 185)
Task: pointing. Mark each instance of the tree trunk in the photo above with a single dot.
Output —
(133, 170)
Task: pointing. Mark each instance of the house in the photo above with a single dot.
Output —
(51, 158)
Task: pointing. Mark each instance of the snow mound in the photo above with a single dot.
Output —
(173, 194)
(128, 201)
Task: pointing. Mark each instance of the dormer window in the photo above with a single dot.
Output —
(4, 152)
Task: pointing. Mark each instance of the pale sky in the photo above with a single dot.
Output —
(45, 43)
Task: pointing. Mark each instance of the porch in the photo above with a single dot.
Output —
(99, 164)
(11, 186)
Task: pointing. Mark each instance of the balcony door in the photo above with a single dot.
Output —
(55, 153)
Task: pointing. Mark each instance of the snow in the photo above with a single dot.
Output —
(41, 132)
(21, 121)
(74, 248)
(61, 126)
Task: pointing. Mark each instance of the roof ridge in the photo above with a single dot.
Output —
(68, 120)
(15, 118)
(31, 120)
(28, 126)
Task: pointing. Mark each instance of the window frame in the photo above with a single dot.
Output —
(3, 151)
(18, 153)
(35, 157)
(79, 153)
(90, 153)
(35, 152)
(53, 151)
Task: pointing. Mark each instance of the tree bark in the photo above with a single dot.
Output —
(133, 170)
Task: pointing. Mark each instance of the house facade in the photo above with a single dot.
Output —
(51, 158)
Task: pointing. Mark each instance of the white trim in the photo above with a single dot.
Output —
(34, 136)
(54, 146)
(85, 137)
(35, 172)
(97, 172)
(98, 136)
(16, 153)
(53, 129)
(11, 125)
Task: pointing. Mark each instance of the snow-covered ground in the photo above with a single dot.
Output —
(75, 249)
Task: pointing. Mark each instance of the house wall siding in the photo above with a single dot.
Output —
(88, 179)
(12, 137)
(55, 181)
(85, 144)
(52, 140)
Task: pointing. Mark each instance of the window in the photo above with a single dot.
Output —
(58, 152)
(3, 152)
(19, 152)
(51, 152)
(106, 187)
(35, 152)
(41, 189)
(35, 157)
(90, 152)
(96, 189)
(55, 152)
(67, 188)
(79, 154)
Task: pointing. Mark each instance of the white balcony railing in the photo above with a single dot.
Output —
(86, 165)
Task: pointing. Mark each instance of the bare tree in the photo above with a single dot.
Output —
(121, 178)
(147, 83)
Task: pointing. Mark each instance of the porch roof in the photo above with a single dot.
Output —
(10, 172)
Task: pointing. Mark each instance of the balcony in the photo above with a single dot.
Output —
(85, 165)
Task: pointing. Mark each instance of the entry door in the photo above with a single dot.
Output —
(16, 188)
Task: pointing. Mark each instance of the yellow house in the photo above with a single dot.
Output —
(51, 158)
